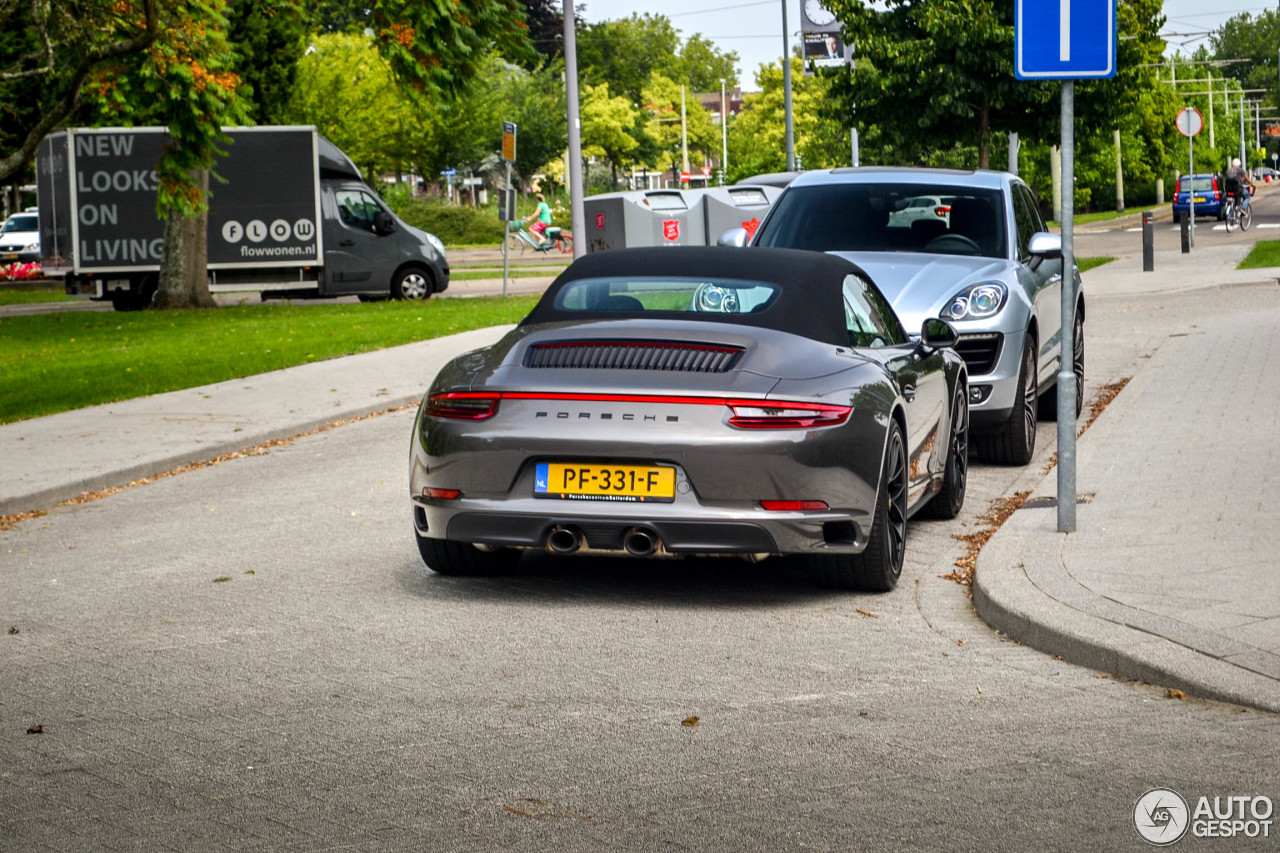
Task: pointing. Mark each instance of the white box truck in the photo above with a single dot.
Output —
(290, 217)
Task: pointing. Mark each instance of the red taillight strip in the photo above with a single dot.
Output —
(816, 414)
(615, 398)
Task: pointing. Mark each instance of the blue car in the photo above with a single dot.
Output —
(1211, 196)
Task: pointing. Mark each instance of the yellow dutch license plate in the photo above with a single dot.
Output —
(1201, 199)
(604, 482)
(9, 257)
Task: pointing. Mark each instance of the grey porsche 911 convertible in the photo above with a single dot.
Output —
(695, 401)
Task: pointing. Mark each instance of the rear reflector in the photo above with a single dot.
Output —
(444, 494)
(793, 506)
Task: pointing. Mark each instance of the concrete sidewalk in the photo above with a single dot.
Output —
(54, 458)
(1171, 576)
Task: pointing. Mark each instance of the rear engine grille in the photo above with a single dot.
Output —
(980, 351)
(634, 355)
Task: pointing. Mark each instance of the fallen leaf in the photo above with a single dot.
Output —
(691, 721)
(36, 730)
(1174, 693)
(13, 629)
(979, 688)
(959, 642)
(222, 579)
(867, 613)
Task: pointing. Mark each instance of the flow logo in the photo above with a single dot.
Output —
(1161, 816)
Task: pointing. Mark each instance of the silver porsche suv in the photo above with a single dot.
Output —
(970, 247)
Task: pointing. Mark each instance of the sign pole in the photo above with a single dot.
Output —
(508, 205)
(1066, 389)
(1068, 40)
(1191, 186)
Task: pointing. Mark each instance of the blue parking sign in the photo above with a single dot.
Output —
(1064, 39)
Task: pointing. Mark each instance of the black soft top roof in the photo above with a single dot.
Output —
(809, 303)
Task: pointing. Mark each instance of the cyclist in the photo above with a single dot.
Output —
(1238, 182)
(543, 216)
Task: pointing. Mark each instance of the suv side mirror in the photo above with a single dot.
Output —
(1045, 245)
(383, 223)
(937, 333)
(735, 237)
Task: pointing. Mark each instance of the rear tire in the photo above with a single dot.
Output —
(1014, 442)
(879, 566)
(462, 559)
(1231, 218)
(948, 503)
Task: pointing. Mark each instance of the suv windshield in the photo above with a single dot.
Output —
(889, 217)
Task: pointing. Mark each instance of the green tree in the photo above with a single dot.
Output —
(48, 53)
(757, 135)
(625, 52)
(345, 89)
(268, 38)
(607, 124)
(662, 123)
(1254, 40)
(931, 73)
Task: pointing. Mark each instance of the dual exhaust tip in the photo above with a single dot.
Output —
(637, 541)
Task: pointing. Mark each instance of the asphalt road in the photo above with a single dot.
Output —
(251, 656)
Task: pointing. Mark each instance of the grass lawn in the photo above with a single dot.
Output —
(483, 274)
(1265, 253)
(1090, 263)
(1103, 216)
(56, 362)
(20, 294)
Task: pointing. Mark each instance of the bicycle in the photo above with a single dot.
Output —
(518, 237)
(1237, 215)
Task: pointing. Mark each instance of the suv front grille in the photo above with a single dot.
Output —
(634, 355)
(980, 351)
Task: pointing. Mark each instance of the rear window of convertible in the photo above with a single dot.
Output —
(640, 294)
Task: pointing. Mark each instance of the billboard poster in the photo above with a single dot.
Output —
(820, 32)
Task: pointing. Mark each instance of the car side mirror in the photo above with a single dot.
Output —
(383, 223)
(937, 333)
(1045, 245)
(734, 237)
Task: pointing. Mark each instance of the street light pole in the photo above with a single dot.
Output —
(724, 135)
(786, 92)
(577, 211)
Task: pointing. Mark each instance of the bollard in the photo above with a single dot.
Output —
(1148, 242)
(1186, 234)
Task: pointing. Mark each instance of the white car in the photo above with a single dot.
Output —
(922, 207)
(20, 238)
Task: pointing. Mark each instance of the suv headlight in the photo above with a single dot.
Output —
(31, 247)
(712, 298)
(977, 302)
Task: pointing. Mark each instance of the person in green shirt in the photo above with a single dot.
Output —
(543, 216)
